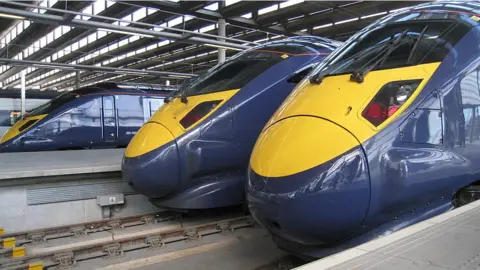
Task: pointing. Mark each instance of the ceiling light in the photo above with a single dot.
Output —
(132, 72)
(52, 66)
(223, 47)
(125, 32)
(178, 76)
(11, 16)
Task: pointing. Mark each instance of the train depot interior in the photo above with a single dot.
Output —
(239, 135)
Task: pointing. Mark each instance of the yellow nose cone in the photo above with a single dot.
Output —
(149, 137)
(299, 143)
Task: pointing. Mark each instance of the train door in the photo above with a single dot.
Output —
(110, 128)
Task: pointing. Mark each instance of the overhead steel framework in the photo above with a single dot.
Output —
(185, 24)
(55, 19)
(185, 32)
(128, 71)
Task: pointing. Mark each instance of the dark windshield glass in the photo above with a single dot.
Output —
(53, 104)
(437, 40)
(234, 74)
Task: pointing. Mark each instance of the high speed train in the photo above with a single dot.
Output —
(383, 134)
(10, 104)
(103, 115)
(193, 153)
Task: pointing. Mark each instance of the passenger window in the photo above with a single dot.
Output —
(108, 106)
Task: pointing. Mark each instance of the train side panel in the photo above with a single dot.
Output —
(433, 150)
(91, 121)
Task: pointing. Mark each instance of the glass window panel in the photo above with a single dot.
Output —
(101, 34)
(83, 42)
(49, 37)
(151, 47)
(175, 21)
(212, 6)
(139, 14)
(43, 42)
(91, 38)
(123, 42)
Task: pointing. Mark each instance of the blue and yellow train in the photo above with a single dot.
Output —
(193, 153)
(104, 115)
(383, 134)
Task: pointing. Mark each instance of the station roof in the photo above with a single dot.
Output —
(251, 21)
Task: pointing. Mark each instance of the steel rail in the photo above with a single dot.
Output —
(65, 258)
(86, 228)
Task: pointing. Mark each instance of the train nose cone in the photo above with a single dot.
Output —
(151, 164)
(308, 181)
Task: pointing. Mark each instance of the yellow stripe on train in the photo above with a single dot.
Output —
(14, 130)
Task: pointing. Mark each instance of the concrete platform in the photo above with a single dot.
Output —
(55, 163)
(447, 241)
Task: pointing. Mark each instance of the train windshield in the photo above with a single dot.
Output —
(235, 73)
(53, 104)
(397, 45)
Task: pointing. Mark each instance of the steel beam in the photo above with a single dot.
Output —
(54, 19)
(213, 16)
(77, 79)
(183, 31)
(40, 64)
(22, 84)
(221, 33)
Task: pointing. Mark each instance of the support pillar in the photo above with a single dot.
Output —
(221, 32)
(22, 85)
(77, 79)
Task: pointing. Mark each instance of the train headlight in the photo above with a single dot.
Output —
(198, 113)
(388, 100)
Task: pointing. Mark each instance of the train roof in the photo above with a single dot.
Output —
(308, 41)
(29, 94)
(108, 87)
(462, 11)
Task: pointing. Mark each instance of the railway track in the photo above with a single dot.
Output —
(67, 246)
(86, 228)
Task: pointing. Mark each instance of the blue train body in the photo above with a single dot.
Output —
(201, 163)
(98, 116)
(424, 161)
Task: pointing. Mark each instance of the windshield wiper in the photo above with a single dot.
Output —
(182, 91)
(318, 78)
(359, 76)
(416, 44)
(170, 96)
(183, 97)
